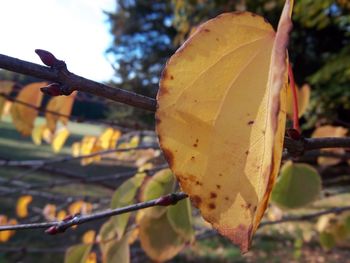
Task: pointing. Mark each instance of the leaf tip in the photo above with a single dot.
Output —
(240, 236)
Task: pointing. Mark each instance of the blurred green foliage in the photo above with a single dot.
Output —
(146, 34)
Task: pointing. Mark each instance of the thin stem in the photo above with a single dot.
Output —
(61, 226)
(69, 158)
(306, 217)
(296, 125)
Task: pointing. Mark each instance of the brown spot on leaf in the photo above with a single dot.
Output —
(193, 158)
(192, 178)
(250, 122)
(217, 39)
(199, 183)
(206, 30)
(220, 174)
(218, 186)
(246, 206)
(213, 195)
(171, 77)
(227, 198)
(247, 152)
(212, 206)
(196, 143)
(196, 200)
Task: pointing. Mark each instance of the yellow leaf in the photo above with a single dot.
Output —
(80, 207)
(61, 215)
(61, 105)
(221, 118)
(47, 135)
(105, 138)
(330, 131)
(59, 139)
(22, 205)
(3, 220)
(6, 109)
(6, 235)
(89, 237)
(76, 149)
(303, 100)
(114, 140)
(91, 258)
(49, 212)
(13, 222)
(5, 88)
(22, 116)
(87, 146)
(37, 134)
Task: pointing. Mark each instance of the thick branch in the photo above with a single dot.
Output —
(297, 148)
(77, 83)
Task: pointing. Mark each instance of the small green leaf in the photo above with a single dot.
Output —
(77, 253)
(327, 240)
(107, 231)
(180, 218)
(158, 239)
(160, 184)
(297, 186)
(117, 251)
(347, 224)
(125, 193)
(124, 196)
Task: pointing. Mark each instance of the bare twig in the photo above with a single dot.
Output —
(95, 180)
(6, 192)
(75, 82)
(297, 148)
(32, 163)
(306, 217)
(61, 226)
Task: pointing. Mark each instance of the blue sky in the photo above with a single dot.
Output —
(75, 31)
